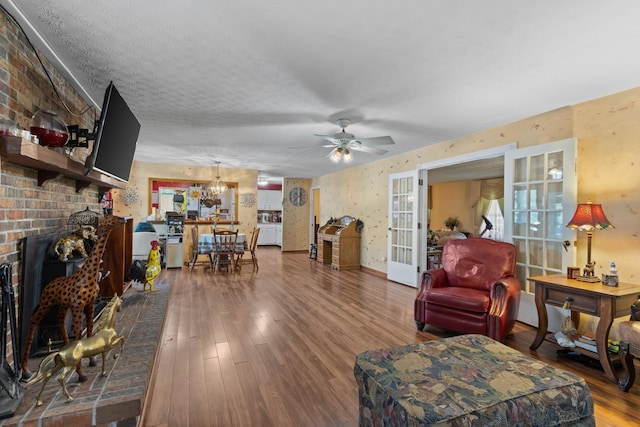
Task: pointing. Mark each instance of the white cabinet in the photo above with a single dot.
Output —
(270, 234)
(269, 200)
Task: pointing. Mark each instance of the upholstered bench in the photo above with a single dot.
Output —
(468, 380)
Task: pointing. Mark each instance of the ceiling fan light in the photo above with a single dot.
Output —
(336, 156)
(347, 156)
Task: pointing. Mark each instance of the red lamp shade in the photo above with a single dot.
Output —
(589, 217)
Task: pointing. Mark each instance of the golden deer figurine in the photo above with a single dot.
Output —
(71, 354)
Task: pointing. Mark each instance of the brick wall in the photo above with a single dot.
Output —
(26, 208)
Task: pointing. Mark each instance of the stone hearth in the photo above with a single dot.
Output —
(117, 398)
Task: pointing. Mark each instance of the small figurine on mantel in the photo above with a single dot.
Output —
(153, 266)
(80, 241)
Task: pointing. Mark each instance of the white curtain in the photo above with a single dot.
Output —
(490, 189)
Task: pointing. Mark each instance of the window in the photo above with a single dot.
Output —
(496, 218)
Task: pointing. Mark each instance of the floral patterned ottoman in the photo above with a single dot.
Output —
(468, 380)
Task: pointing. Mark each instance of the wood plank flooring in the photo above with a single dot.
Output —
(277, 347)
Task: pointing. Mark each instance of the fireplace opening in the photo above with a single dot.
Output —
(39, 268)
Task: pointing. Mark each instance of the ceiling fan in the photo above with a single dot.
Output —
(343, 143)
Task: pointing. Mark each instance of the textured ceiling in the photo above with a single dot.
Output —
(244, 82)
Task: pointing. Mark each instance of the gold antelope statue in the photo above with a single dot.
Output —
(71, 354)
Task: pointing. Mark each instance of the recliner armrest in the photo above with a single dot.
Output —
(511, 287)
(505, 301)
(436, 278)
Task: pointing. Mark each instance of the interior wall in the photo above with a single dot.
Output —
(608, 158)
(295, 219)
(606, 129)
(452, 199)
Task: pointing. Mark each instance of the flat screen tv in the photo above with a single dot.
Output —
(116, 137)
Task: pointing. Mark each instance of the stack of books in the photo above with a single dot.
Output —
(587, 341)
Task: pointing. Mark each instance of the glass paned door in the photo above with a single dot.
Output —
(403, 228)
(541, 182)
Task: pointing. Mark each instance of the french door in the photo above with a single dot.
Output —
(402, 265)
(540, 197)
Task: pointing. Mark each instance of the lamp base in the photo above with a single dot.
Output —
(588, 279)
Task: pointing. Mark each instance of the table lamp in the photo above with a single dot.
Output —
(589, 217)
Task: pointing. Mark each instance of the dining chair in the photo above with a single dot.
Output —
(223, 255)
(252, 250)
(252, 247)
(195, 247)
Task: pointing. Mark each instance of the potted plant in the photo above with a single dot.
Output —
(452, 222)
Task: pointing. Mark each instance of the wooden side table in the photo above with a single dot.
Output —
(596, 299)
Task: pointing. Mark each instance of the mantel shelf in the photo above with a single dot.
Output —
(50, 164)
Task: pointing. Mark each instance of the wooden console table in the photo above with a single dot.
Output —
(596, 299)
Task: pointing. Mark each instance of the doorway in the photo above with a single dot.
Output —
(314, 208)
(535, 224)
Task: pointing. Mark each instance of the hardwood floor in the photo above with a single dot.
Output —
(277, 347)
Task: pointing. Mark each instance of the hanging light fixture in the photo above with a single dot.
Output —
(217, 186)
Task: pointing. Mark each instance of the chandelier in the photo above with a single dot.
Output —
(210, 195)
(217, 186)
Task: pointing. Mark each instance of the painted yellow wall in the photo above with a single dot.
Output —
(296, 220)
(452, 199)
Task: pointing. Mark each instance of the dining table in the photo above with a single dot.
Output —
(206, 245)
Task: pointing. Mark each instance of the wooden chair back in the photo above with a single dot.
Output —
(253, 246)
(254, 239)
(225, 248)
(194, 247)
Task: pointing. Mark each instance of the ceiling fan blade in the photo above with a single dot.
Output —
(377, 140)
(366, 149)
(329, 138)
(320, 145)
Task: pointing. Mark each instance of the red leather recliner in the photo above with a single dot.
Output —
(475, 291)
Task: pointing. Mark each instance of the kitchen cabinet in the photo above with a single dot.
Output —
(270, 234)
(279, 236)
(269, 200)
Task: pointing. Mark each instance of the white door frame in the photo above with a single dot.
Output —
(403, 240)
(528, 312)
(312, 209)
(449, 161)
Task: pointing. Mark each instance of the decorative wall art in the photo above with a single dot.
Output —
(247, 200)
(130, 196)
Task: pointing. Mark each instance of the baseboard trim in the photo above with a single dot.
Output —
(377, 273)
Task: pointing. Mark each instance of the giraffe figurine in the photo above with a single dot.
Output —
(77, 292)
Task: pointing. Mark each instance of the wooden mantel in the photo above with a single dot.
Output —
(50, 164)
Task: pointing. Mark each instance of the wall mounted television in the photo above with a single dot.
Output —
(116, 137)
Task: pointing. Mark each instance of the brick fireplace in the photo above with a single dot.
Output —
(29, 204)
